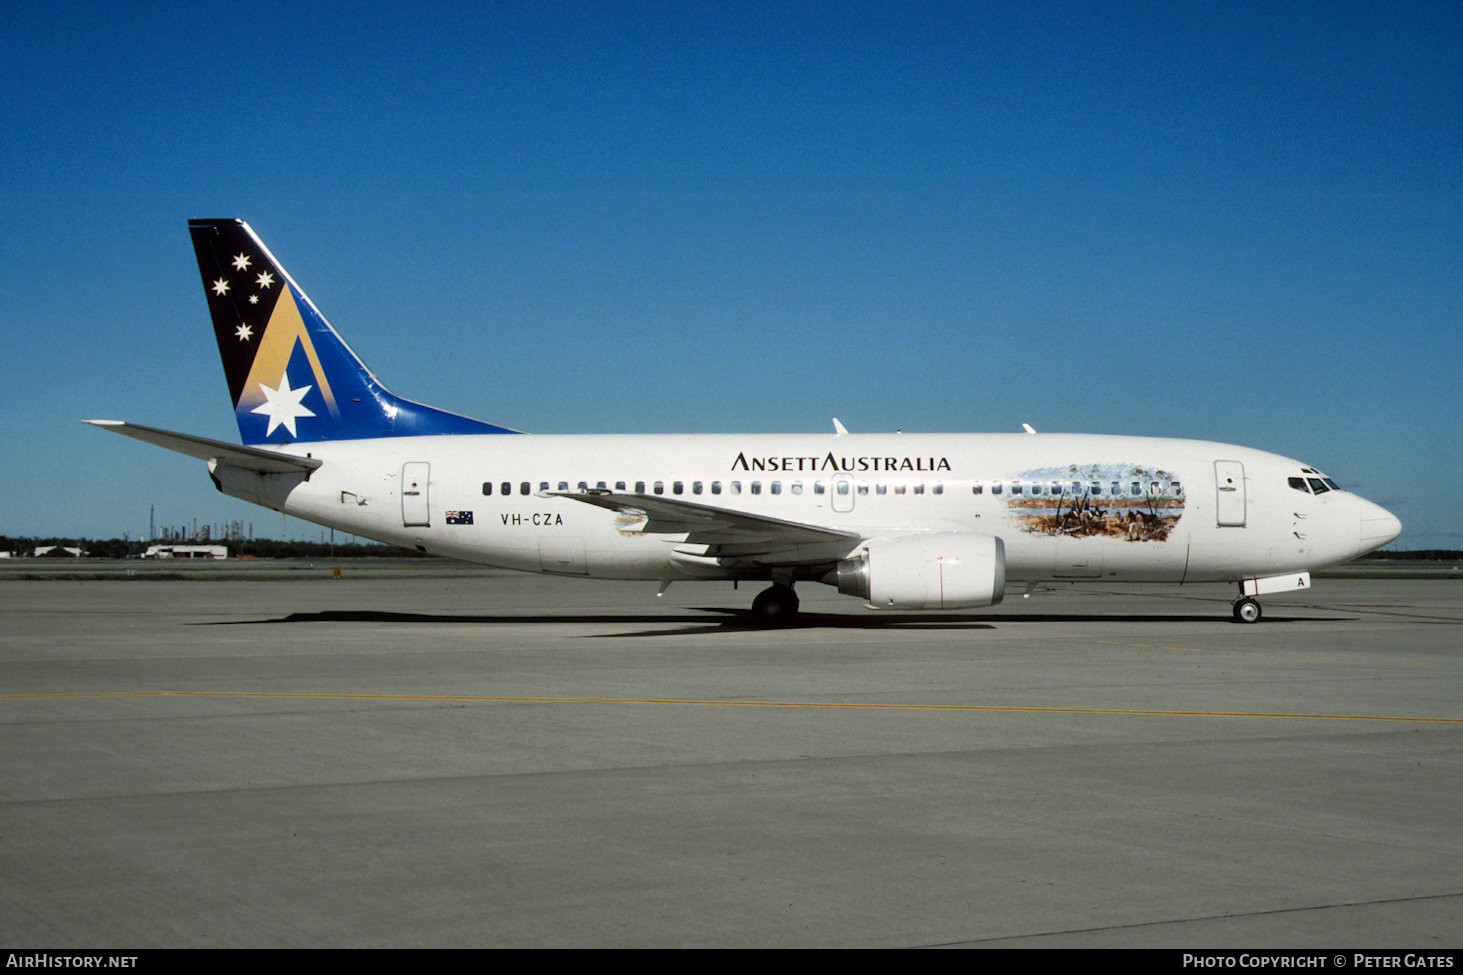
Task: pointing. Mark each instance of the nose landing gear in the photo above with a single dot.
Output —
(1246, 610)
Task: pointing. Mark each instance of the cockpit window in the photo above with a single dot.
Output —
(1318, 484)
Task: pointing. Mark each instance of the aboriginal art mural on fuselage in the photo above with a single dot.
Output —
(1123, 501)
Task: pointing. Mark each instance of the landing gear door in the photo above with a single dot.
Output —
(1229, 483)
(415, 512)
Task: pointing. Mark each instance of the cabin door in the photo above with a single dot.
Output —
(1229, 483)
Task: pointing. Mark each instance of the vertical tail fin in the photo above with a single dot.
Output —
(291, 377)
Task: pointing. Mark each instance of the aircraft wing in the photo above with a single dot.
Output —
(708, 525)
(249, 458)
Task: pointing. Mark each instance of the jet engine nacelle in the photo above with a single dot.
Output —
(943, 570)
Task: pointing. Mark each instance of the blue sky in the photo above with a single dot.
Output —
(1236, 222)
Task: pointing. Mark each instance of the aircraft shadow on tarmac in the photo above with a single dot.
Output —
(724, 620)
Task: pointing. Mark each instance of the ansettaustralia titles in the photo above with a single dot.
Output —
(834, 463)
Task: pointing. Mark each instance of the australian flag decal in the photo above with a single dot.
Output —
(459, 517)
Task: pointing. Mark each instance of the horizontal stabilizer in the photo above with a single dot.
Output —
(248, 458)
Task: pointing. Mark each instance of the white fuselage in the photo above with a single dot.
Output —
(1066, 506)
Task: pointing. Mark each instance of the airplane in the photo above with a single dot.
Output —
(902, 521)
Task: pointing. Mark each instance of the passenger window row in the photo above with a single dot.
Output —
(841, 488)
(1015, 488)
(1081, 489)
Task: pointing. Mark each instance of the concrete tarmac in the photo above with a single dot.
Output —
(412, 755)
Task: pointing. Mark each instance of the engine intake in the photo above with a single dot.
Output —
(942, 570)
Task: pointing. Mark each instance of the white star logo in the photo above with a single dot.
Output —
(283, 405)
(265, 279)
(243, 332)
(253, 299)
(241, 262)
(390, 409)
(220, 287)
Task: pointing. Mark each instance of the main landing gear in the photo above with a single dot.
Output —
(1246, 610)
(776, 605)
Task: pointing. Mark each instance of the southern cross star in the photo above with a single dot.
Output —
(283, 405)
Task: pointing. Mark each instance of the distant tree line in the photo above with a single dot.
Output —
(259, 548)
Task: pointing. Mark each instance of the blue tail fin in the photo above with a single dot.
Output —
(291, 377)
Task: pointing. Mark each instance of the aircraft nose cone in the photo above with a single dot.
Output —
(1378, 526)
